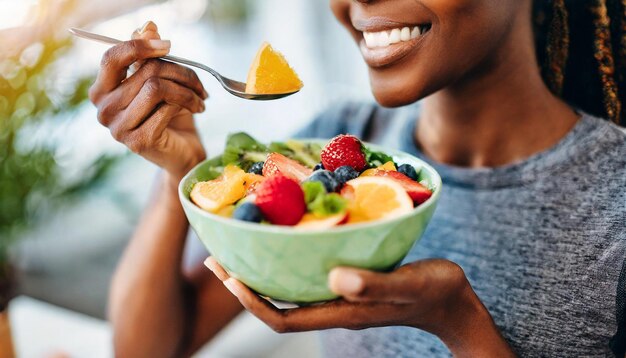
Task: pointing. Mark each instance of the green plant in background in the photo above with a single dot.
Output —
(232, 12)
(30, 178)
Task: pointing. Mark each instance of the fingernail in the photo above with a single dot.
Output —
(345, 281)
(231, 285)
(148, 26)
(209, 263)
(202, 106)
(160, 44)
(205, 94)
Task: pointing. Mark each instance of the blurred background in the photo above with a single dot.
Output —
(70, 195)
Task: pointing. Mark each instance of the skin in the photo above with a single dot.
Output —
(484, 104)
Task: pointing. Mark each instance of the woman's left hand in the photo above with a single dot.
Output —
(432, 295)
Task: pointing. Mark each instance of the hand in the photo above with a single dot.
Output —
(433, 295)
(150, 111)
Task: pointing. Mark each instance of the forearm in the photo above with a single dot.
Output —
(148, 292)
(472, 332)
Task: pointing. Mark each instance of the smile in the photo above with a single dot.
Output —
(394, 36)
(387, 47)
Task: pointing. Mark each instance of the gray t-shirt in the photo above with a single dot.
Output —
(542, 241)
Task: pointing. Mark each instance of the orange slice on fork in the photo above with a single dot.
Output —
(271, 74)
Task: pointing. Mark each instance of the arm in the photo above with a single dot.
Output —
(155, 308)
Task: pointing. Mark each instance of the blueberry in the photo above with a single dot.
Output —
(248, 212)
(326, 177)
(318, 166)
(345, 174)
(408, 170)
(257, 168)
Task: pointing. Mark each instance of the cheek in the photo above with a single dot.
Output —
(341, 10)
(465, 34)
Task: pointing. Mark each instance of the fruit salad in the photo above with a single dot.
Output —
(306, 185)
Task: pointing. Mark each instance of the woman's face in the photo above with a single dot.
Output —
(414, 48)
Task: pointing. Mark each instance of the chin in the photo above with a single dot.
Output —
(391, 93)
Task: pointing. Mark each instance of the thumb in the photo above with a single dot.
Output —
(358, 285)
(149, 31)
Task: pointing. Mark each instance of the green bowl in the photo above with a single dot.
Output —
(288, 265)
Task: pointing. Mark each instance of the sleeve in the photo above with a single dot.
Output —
(618, 342)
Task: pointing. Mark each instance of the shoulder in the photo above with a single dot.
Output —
(605, 147)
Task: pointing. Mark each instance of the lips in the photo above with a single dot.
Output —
(386, 42)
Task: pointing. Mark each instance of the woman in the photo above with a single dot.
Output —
(531, 228)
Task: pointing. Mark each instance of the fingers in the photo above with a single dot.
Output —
(155, 91)
(357, 285)
(145, 136)
(148, 31)
(216, 268)
(117, 60)
(152, 93)
(124, 95)
(335, 314)
(170, 71)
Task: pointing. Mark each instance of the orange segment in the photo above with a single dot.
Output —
(388, 166)
(226, 211)
(374, 198)
(311, 222)
(215, 194)
(270, 73)
(251, 180)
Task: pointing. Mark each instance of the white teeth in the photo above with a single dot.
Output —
(386, 38)
(405, 34)
(369, 39)
(383, 39)
(394, 36)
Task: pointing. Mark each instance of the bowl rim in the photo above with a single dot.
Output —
(280, 229)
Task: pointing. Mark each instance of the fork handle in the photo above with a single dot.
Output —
(111, 41)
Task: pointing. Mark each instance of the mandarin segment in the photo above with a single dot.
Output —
(374, 198)
(216, 194)
(271, 74)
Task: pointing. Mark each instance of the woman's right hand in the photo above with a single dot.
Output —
(150, 111)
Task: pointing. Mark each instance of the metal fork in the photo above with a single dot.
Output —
(235, 88)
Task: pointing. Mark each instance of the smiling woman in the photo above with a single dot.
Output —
(530, 227)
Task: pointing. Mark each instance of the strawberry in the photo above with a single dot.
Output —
(416, 191)
(343, 150)
(281, 200)
(277, 163)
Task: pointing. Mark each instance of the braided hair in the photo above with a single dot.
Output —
(581, 46)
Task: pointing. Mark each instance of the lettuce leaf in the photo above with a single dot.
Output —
(375, 159)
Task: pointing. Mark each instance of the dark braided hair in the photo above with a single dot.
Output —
(581, 46)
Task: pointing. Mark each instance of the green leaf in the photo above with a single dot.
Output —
(244, 141)
(375, 159)
(243, 150)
